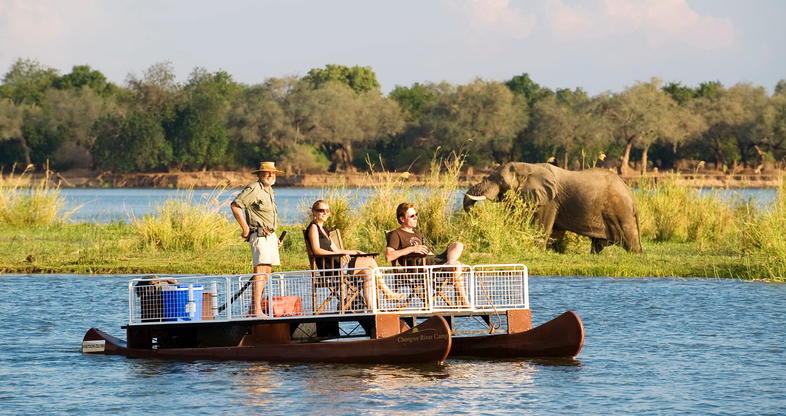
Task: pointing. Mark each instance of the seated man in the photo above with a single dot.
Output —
(407, 241)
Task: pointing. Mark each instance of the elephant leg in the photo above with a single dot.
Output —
(547, 214)
(598, 244)
(557, 241)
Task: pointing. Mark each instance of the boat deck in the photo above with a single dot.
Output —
(335, 295)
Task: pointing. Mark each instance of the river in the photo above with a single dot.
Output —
(653, 346)
(109, 205)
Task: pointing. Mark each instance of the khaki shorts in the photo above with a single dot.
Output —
(264, 249)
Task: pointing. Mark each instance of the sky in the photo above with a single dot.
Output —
(598, 45)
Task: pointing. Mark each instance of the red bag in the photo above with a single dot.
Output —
(284, 306)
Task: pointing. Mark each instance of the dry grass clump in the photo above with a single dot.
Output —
(669, 211)
(763, 235)
(25, 201)
(378, 214)
(437, 212)
(184, 224)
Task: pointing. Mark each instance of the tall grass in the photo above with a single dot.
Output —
(25, 201)
(669, 211)
(506, 229)
(494, 229)
(378, 214)
(763, 236)
(184, 224)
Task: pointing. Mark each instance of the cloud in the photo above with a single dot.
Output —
(44, 29)
(499, 18)
(659, 21)
(28, 23)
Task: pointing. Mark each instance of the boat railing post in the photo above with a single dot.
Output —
(525, 273)
(228, 294)
(373, 295)
(214, 299)
(429, 280)
(473, 303)
(130, 302)
(269, 292)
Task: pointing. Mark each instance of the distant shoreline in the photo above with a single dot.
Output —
(235, 179)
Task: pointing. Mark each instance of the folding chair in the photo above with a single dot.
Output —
(340, 286)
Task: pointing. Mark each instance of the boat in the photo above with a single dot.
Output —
(561, 337)
(325, 316)
(429, 342)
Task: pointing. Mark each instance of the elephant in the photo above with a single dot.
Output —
(595, 203)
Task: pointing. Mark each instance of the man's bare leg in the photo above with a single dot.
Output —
(261, 272)
(454, 252)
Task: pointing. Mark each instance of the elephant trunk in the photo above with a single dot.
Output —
(482, 191)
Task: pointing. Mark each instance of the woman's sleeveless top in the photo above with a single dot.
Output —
(324, 244)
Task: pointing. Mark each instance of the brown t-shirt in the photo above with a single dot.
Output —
(398, 239)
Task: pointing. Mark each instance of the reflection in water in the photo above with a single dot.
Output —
(258, 380)
(648, 333)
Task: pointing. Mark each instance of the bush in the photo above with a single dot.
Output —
(182, 224)
(27, 202)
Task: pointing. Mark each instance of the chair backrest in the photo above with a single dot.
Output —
(332, 261)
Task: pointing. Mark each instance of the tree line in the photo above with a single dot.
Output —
(336, 118)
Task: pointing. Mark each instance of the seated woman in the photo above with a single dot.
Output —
(321, 244)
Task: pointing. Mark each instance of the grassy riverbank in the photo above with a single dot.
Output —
(684, 234)
(114, 248)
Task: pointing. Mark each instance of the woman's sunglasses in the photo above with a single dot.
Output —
(325, 210)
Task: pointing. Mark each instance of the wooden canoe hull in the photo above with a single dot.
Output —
(428, 342)
(563, 336)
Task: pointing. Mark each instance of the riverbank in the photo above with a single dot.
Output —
(235, 179)
(113, 249)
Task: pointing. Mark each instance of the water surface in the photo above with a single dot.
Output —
(109, 205)
(653, 346)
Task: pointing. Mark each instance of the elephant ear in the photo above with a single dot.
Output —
(542, 183)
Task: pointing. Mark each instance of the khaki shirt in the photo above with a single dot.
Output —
(260, 207)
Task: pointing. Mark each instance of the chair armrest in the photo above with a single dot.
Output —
(364, 255)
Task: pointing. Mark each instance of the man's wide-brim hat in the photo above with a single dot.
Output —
(268, 167)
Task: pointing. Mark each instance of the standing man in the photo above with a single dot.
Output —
(406, 241)
(256, 211)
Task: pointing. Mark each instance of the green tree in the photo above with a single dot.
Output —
(11, 116)
(640, 115)
(198, 131)
(680, 93)
(71, 114)
(417, 99)
(156, 92)
(130, 144)
(729, 115)
(567, 122)
(524, 86)
(337, 119)
(481, 119)
(257, 124)
(84, 76)
(780, 87)
(359, 78)
(26, 82)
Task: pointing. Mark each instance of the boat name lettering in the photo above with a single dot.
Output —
(421, 337)
(93, 346)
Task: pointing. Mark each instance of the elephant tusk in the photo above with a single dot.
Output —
(476, 198)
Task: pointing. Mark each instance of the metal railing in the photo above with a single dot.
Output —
(326, 293)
